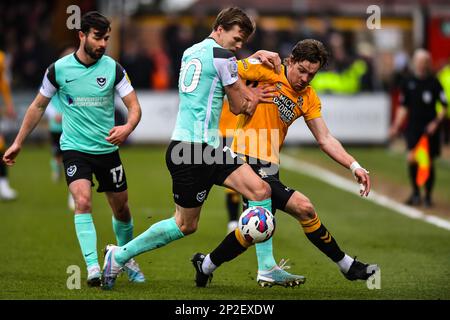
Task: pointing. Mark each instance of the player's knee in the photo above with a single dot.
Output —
(262, 191)
(305, 209)
(188, 228)
(83, 204)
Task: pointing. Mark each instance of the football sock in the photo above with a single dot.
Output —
(264, 254)
(232, 246)
(234, 243)
(158, 235)
(233, 201)
(54, 165)
(208, 266)
(264, 250)
(316, 232)
(2, 166)
(87, 237)
(412, 177)
(345, 263)
(123, 231)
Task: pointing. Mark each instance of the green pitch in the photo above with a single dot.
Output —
(39, 243)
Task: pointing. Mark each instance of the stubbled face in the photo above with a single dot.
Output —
(300, 74)
(95, 44)
(232, 39)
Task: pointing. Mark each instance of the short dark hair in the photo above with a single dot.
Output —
(96, 20)
(229, 17)
(309, 49)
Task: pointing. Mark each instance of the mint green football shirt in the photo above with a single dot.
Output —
(206, 68)
(85, 94)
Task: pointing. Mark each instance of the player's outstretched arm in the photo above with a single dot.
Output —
(333, 148)
(119, 134)
(32, 117)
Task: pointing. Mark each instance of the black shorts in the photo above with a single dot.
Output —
(269, 172)
(108, 169)
(412, 137)
(54, 140)
(195, 168)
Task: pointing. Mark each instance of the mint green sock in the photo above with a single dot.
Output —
(158, 235)
(54, 165)
(123, 231)
(87, 237)
(264, 250)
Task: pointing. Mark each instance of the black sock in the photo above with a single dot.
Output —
(430, 182)
(233, 201)
(2, 167)
(316, 232)
(227, 250)
(412, 177)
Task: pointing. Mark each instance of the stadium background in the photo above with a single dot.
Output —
(148, 38)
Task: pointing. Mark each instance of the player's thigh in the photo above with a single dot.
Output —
(245, 181)
(110, 172)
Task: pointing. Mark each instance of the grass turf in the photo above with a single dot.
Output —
(39, 242)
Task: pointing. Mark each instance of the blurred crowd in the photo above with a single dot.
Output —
(26, 39)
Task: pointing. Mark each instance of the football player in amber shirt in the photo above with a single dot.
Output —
(259, 138)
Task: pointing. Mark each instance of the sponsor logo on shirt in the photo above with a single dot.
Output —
(285, 107)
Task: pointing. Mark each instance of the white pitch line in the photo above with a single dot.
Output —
(351, 186)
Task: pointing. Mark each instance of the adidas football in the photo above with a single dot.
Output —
(256, 224)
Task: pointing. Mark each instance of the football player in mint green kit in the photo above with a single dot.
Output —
(194, 158)
(85, 83)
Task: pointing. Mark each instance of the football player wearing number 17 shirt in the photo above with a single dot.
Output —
(85, 83)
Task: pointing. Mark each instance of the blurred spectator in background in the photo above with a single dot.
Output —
(419, 94)
(444, 78)
(346, 74)
(139, 66)
(7, 108)
(177, 37)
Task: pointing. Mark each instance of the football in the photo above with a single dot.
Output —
(256, 224)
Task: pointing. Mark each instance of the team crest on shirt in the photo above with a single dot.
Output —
(279, 85)
(101, 81)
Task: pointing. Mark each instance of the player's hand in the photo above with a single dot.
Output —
(393, 133)
(362, 177)
(432, 127)
(265, 93)
(11, 154)
(119, 134)
(269, 58)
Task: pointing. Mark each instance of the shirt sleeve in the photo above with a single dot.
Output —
(253, 70)
(49, 86)
(314, 109)
(226, 65)
(122, 83)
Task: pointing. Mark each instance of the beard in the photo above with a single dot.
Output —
(94, 54)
